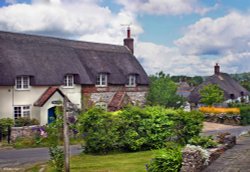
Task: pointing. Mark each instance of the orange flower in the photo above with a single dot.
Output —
(218, 110)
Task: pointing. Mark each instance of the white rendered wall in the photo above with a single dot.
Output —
(10, 97)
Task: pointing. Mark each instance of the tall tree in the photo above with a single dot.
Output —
(211, 94)
(162, 91)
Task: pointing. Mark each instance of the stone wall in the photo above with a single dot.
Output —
(230, 119)
(26, 131)
(93, 95)
(194, 159)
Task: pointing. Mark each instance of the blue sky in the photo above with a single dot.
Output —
(178, 37)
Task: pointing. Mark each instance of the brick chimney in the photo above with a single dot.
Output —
(217, 69)
(129, 42)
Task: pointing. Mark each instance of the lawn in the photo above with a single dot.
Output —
(120, 162)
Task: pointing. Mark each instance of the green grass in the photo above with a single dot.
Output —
(119, 162)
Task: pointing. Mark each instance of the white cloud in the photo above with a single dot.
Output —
(165, 7)
(157, 58)
(79, 19)
(228, 34)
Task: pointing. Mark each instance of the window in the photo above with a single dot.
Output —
(69, 81)
(102, 105)
(131, 81)
(102, 80)
(22, 83)
(21, 111)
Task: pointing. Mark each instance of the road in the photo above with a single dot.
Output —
(21, 157)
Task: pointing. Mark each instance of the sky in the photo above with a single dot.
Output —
(178, 37)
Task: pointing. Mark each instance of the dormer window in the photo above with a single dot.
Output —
(22, 83)
(69, 81)
(102, 80)
(131, 81)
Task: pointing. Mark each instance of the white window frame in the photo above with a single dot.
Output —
(131, 81)
(68, 81)
(102, 80)
(102, 105)
(22, 83)
(22, 111)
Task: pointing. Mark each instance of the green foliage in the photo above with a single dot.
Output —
(211, 94)
(195, 81)
(54, 130)
(135, 129)
(162, 91)
(4, 123)
(203, 141)
(187, 125)
(100, 131)
(168, 160)
(245, 115)
(144, 129)
(25, 121)
(56, 158)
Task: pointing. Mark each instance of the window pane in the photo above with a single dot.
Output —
(25, 82)
(17, 112)
(65, 81)
(18, 82)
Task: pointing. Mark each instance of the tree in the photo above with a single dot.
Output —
(162, 91)
(211, 94)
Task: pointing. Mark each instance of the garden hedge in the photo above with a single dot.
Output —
(136, 129)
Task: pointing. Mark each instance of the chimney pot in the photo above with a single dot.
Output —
(217, 69)
(129, 42)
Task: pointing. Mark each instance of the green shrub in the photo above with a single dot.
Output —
(168, 160)
(186, 125)
(245, 115)
(4, 123)
(56, 158)
(144, 129)
(100, 131)
(25, 121)
(203, 141)
(135, 129)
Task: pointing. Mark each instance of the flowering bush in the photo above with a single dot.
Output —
(217, 110)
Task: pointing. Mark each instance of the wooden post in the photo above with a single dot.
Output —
(1, 134)
(66, 135)
(9, 134)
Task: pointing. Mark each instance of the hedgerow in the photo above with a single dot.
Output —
(135, 129)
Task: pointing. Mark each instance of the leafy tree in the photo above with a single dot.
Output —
(211, 94)
(162, 91)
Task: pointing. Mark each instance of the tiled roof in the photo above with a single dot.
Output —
(46, 96)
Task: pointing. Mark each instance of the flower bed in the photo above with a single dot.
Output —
(230, 116)
(219, 110)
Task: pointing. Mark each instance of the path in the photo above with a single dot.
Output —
(21, 157)
(214, 128)
(236, 159)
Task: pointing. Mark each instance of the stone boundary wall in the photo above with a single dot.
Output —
(223, 118)
(26, 131)
(193, 160)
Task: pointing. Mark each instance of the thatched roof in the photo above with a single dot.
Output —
(47, 60)
(225, 82)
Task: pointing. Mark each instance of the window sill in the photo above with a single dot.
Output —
(65, 87)
(130, 86)
(101, 86)
(27, 89)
